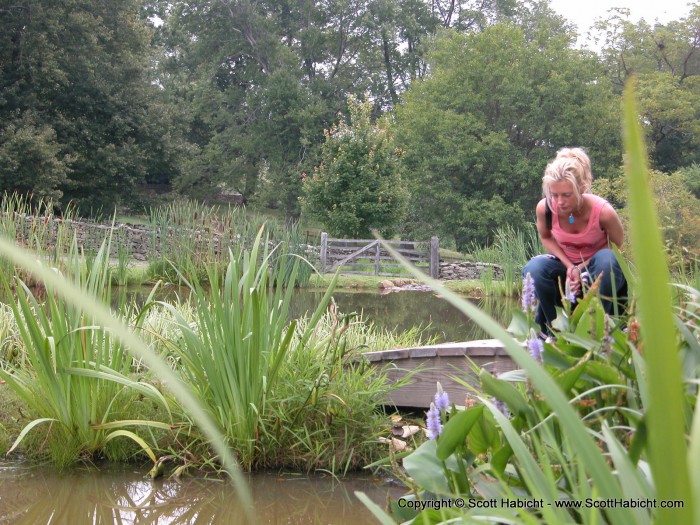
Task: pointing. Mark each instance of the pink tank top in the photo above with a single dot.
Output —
(582, 246)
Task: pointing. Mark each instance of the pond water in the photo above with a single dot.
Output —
(122, 494)
(401, 311)
(393, 311)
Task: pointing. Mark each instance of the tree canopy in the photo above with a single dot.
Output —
(97, 98)
(357, 186)
(478, 132)
(78, 111)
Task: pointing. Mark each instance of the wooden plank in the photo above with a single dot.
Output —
(382, 274)
(434, 258)
(344, 242)
(335, 258)
(439, 363)
(377, 259)
(324, 251)
(355, 254)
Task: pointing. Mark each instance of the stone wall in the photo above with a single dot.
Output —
(137, 241)
(468, 270)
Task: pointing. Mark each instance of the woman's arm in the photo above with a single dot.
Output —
(610, 224)
(573, 272)
(548, 241)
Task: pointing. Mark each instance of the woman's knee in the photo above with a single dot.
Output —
(605, 261)
(536, 267)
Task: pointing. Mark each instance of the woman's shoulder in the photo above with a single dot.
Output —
(595, 200)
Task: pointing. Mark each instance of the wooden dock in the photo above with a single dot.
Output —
(440, 363)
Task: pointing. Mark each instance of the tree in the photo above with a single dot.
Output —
(265, 77)
(77, 105)
(665, 58)
(479, 131)
(357, 187)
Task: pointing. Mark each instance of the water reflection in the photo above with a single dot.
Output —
(403, 310)
(400, 310)
(122, 495)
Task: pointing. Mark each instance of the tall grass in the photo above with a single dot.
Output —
(327, 410)
(113, 327)
(192, 237)
(511, 249)
(233, 352)
(76, 374)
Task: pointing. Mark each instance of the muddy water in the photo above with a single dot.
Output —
(403, 310)
(37, 496)
(394, 311)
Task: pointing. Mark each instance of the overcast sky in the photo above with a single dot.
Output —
(583, 13)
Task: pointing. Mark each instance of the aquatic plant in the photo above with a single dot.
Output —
(233, 352)
(76, 375)
(100, 315)
(325, 411)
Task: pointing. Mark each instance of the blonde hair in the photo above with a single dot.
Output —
(570, 165)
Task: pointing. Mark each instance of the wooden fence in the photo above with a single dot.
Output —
(369, 257)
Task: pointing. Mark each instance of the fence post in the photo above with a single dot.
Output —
(434, 258)
(324, 251)
(376, 258)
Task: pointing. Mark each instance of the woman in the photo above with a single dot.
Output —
(578, 234)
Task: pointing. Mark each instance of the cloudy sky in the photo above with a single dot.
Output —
(583, 13)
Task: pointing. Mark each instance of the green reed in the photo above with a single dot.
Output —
(76, 374)
(100, 324)
(232, 354)
(191, 237)
(325, 411)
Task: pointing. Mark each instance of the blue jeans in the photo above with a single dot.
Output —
(548, 271)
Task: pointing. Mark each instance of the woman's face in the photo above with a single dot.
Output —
(564, 196)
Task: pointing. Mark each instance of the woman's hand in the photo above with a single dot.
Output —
(573, 278)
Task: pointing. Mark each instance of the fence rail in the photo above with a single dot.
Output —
(369, 257)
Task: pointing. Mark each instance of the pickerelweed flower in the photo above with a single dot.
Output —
(501, 406)
(433, 423)
(536, 347)
(529, 299)
(442, 400)
(608, 340)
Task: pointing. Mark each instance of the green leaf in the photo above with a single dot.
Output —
(519, 325)
(28, 429)
(483, 435)
(567, 379)
(426, 469)
(667, 441)
(456, 430)
(604, 373)
(500, 458)
(140, 442)
(505, 392)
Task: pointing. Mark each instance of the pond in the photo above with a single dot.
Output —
(393, 311)
(122, 494)
(403, 310)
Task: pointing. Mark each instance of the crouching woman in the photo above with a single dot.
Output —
(577, 228)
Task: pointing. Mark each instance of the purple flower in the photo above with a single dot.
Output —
(502, 407)
(442, 400)
(536, 348)
(433, 422)
(529, 299)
